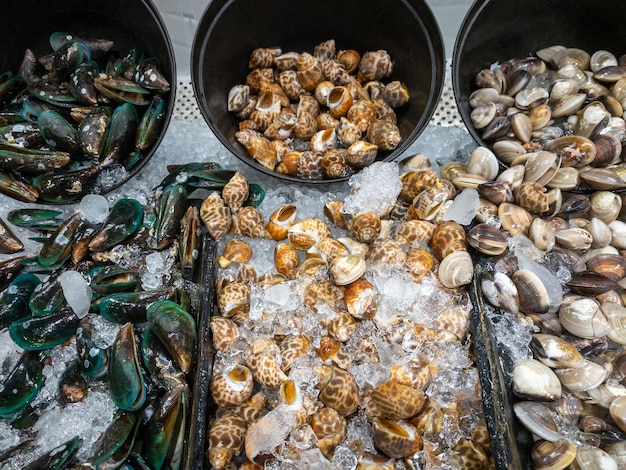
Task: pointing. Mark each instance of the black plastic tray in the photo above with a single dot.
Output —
(194, 454)
(510, 441)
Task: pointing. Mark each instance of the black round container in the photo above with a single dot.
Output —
(129, 23)
(230, 30)
(498, 30)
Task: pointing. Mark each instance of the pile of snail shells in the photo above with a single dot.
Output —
(561, 100)
(317, 116)
(326, 262)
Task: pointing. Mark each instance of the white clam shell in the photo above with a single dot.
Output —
(535, 381)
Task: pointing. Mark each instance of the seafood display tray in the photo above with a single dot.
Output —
(194, 455)
(510, 442)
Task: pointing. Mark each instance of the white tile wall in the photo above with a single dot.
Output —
(181, 18)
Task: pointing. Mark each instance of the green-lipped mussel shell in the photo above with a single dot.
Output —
(38, 333)
(189, 242)
(14, 299)
(116, 442)
(151, 123)
(58, 133)
(113, 278)
(125, 307)
(172, 207)
(120, 140)
(46, 220)
(81, 83)
(159, 363)
(57, 458)
(164, 428)
(123, 221)
(58, 246)
(184, 174)
(17, 189)
(9, 243)
(66, 185)
(93, 359)
(73, 387)
(48, 296)
(9, 269)
(124, 377)
(32, 161)
(92, 131)
(21, 385)
(176, 329)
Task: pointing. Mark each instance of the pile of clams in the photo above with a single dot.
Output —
(317, 116)
(562, 104)
(554, 244)
(319, 364)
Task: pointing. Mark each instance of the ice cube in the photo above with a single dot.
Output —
(464, 207)
(76, 291)
(94, 208)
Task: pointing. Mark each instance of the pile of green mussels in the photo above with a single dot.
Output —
(149, 366)
(78, 120)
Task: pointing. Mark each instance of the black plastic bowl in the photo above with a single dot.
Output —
(230, 30)
(129, 23)
(498, 30)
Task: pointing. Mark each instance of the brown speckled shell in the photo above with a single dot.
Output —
(266, 369)
(250, 222)
(361, 299)
(361, 154)
(338, 389)
(216, 216)
(447, 238)
(335, 164)
(235, 191)
(414, 182)
(254, 78)
(225, 439)
(386, 251)
(396, 94)
(292, 347)
(376, 65)
(365, 227)
(324, 291)
(419, 262)
(225, 333)
(384, 134)
(396, 439)
(286, 260)
(307, 232)
(415, 231)
(232, 387)
(288, 80)
(531, 196)
(392, 400)
(309, 71)
(233, 297)
(362, 113)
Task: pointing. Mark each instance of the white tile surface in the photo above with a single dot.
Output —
(181, 19)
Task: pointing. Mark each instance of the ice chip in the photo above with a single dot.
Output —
(76, 291)
(376, 189)
(94, 208)
(464, 207)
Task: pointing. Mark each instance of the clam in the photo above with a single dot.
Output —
(593, 459)
(552, 455)
(584, 318)
(515, 219)
(613, 266)
(541, 166)
(591, 283)
(533, 295)
(618, 234)
(537, 418)
(584, 377)
(616, 316)
(508, 150)
(554, 351)
(542, 235)
(605, 205)
(574, 150)
(565, 178)
(501, 292)
(535, 381)
(482, 161)
(575, 239)
(600, 232)
(347, 269)
(487, 239)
